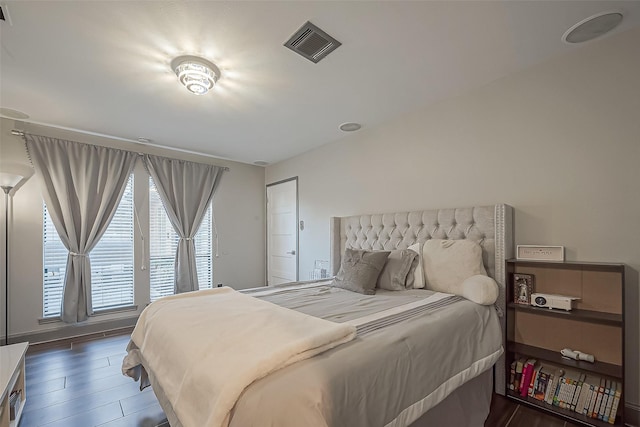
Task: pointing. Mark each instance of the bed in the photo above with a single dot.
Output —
(419, 357)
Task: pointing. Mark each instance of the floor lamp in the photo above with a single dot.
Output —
(7, 182)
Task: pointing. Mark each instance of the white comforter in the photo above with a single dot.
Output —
(252, 339)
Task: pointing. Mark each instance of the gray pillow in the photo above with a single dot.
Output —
(359, 270)
(411, 275)
(394, 274)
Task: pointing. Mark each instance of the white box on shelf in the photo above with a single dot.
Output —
(562, 302)
(540, 253)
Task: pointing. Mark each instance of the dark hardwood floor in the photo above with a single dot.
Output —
(78, 383)
(506, 413)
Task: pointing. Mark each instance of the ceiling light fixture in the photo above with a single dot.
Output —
(350, 127)
(592, 27)
(196, 74)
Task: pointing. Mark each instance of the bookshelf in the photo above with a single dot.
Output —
(594, 326)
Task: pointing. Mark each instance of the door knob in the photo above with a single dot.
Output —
(292, 253)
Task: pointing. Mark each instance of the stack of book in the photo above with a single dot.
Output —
(585, 394)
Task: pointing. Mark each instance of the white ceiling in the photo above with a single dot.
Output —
(103, 66)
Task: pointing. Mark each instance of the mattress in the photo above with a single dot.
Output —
(413, 349)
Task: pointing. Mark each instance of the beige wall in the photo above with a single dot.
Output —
(560, 142)
(238, 211)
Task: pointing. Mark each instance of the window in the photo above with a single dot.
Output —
(111, 262)
(163, 243)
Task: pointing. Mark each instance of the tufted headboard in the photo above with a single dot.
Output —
(491, 226)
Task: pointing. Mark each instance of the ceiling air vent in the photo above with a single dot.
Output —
(4, 14)
(312, 43)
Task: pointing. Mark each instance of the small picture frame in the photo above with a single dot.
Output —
(522, 288)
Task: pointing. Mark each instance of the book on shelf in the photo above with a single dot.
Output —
(586, 394)
(571, 380)
(561, 396)
(596, 407)
(594, 398)
(605, 399)
(527, 373)
(559, 393)
(592, 393)
(542, 382)
(518, 377)
(550, 393)
(534, 380)
(578, 390)
(612, 397)
(616, 402)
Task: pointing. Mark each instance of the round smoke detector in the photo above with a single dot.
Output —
(592, 27)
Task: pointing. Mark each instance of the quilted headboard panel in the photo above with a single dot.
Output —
(491, 226)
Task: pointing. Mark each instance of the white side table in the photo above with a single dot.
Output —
(12, 379)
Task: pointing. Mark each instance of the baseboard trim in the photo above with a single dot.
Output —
(65, 334)
(632, 414)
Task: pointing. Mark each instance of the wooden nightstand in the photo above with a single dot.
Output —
(12, 379)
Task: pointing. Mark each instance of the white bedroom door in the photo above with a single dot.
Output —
(282, 232)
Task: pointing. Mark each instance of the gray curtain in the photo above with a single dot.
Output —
(82, 186)
(186, 189)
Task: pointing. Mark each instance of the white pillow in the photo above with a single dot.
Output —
(480, 289)
(447, 263)
(417, 276)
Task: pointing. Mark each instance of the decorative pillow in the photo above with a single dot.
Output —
(394, 273)
(415, 278)
(480, 289)
(447, 263)
(359, 270)
(408, 284)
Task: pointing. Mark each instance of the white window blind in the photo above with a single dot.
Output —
(55, 263)
(163, 243)
(111, 261)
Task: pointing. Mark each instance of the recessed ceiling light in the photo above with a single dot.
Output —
(13, 114)
(260, 163)
(196, 74)
(592, 27)
(350, 127)
(144, 140)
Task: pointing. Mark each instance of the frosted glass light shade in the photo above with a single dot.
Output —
(9, 180)
(198, 75)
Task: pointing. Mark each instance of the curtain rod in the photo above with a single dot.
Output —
(20, 133)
